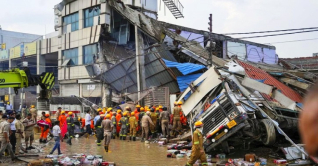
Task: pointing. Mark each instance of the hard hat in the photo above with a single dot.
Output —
(102, 115)
(180, 103)
(8, 102)
(62, 112)
(109, 109)
(127, 107)
(107, 116)
(160, 107)
(142, 109)
(32, 106)
(79, 118)
(118, 111)
(137, 106)
(47, 115)
(104, 109)
(99, 109)
(125, 113)
(132, 114)
(70, 113)
(157, 109)
(175, 103)
(198, 124)
(148, 109)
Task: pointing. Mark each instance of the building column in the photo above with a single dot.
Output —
(140, 62)
(12, 64)
(40, 64)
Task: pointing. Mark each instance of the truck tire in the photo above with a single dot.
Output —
(225, 147)
(268, 133)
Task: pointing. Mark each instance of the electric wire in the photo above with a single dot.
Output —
(284, 30)
(280, 34)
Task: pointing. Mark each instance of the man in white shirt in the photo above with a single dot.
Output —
(57, 137)
(88, 123)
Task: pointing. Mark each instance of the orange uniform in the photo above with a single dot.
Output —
(45, 133)
(118, 117)
(92, 124)
(62, 120)
(83, 122)
(137, 119)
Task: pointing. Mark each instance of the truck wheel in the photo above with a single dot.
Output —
(225, 147)
(268, 134)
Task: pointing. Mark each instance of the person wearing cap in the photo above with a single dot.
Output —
(118, 117)
(154, 118)
(177, 111)
(19, 135)
(62, 119)
(99, 111)
(145, 121)
(137, 109)
(164, 119)
(123, 126)
(107, 126)
(137, 118)
(132, 126)
(70, 127)
(197, 146)
(34, 113)
(4, 136)
(45, 130)
(110, 111)
(128, 109)
(99, 130)
(29, 123)
(114, 122)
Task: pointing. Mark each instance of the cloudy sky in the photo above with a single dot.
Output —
(37, 17)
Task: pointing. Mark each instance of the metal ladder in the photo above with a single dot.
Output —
(175, 8)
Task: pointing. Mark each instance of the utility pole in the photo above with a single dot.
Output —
(210, 36)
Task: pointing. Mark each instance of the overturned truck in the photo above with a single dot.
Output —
(225, 102)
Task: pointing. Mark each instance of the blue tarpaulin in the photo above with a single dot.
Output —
(184, 81)
(184, 68)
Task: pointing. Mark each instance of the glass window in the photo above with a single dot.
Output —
(72, 55)
(89, 54)
(70, 19)
(89, 15)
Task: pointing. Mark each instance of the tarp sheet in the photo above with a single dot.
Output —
(184, 68)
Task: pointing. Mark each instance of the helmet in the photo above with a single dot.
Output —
(127, 108)
(70, 113)
(148, 109)
(99, 109)
(102, 115)
(47, 115)
(152, 110)
(125, 113)
(137, 106)
(62, 112)
(109, 109)
(180, 103)
(8, 102)
(132, 114)
(142, 109)
(175, 103)
(79, 118)
(198, 124)
(107, 116)
(160, 107)
(32, 106)
(157, 109)
(118, 111)
(104, 109)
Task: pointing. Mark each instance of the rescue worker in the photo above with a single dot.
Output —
(107, 125)
(29, 124)
(154, 118)
(19, 135)
(140, 115)
(114, 122)
(70, 127)
(132, 126)
(62, 119)
(43, 116)
(110, 111)
(197, 146)
(104, 110)
(160, 108)
(59, 112)
(145, 121)
(45, 130)
(164, 119)
(99, 111)
(137, 109)
(123, 122)
(33, 111)
(4, 136)
(127, 108)
(177, 111)
(137, 118)
(118, 117)
(99, 130)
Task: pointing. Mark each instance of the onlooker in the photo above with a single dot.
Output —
(19, 135)
(29, 123)
(13, 139)
(57, 137)
(87, 123)
(4, 136)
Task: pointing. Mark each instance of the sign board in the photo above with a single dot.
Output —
(30, 48)
(3, 46)
(4, 54)
(15, 52)
(6, 97)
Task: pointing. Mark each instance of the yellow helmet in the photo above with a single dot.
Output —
(62, 112)
(160, 107)
(148, 109)
(198, 124)
(109, 109)
(180, 103)
(32, 106)
(137, 106)
(70, 113)
(118, 111)
(107, 116)
(175, 103)
(157, 108)
(142, 109)
(125, 113)
(104, 109)
(99, 109)
(132, 113)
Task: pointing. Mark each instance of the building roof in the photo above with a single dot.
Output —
(184, 68)
(303, 62)
(259, 74)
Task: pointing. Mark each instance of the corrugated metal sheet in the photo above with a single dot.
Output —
(256, 73)
(184, 81)
(164, 52)
(184, 68)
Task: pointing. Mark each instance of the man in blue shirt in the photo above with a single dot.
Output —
(97, 117)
